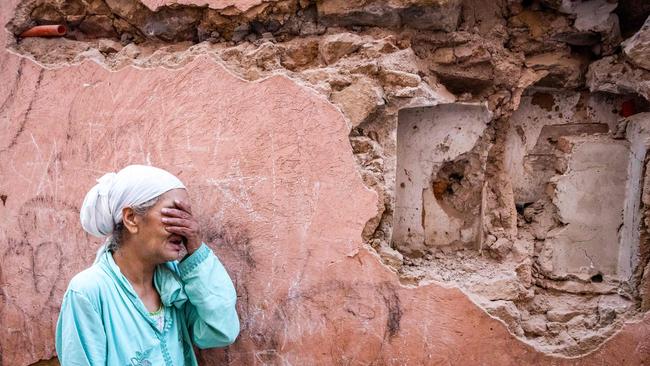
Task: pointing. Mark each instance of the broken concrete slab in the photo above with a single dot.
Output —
(590, 200)
(638, 134)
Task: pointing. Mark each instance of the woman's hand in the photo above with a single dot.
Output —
(180, 221)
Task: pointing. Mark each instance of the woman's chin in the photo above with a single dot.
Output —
(174, 250)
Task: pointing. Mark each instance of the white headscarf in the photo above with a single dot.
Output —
(131, 186)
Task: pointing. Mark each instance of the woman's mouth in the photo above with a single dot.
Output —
(177, 241)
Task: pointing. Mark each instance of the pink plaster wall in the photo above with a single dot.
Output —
(270, 164)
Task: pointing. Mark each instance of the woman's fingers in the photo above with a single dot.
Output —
(183, 205)
(180, 221)
(180, 230)
(176, 213)
(177, 222)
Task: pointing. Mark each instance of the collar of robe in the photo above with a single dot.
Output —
(166, 280)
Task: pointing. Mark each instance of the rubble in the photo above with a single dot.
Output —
(614, 75)
(637, 47)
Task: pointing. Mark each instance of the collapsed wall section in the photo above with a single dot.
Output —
(556, 280)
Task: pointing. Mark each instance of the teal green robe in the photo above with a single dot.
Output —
(103, 321)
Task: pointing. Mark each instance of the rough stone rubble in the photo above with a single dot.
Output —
(493, 133)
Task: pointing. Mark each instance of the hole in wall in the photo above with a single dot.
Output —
(597, 278)
(556, 285)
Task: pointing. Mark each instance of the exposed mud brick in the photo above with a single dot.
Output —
(336, 46)
(644, 290)
(172, 25)
(434, 14)
(98, 26)
(97, 7)
(131, 11)
(535, 32)
(47, 14)
(237, 6)
(486, 16)
(359, 100)
(501, 288)
(508, 312)
(401, 60)
(562, 315)
(564, 70)
(300, 53)
(501, 247)
(399, 78)
(391, 256)
(535, 326)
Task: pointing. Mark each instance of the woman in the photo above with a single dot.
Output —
(136, 305)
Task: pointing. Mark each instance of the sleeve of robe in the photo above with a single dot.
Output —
(211, 314)
(80, 337)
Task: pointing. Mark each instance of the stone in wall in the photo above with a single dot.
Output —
(359, 100)
(637, 47)
(614, 75)
(431, 15)
(623, 75)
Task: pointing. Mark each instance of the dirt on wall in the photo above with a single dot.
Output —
(522, 198)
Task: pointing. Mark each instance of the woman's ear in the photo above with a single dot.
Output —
(129, 218)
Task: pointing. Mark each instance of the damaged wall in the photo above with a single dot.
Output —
(427, 138)
(388, 182)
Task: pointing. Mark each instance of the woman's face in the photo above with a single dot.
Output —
(155, 242)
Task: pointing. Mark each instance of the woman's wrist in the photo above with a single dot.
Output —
(192, 246)
(191, 261)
